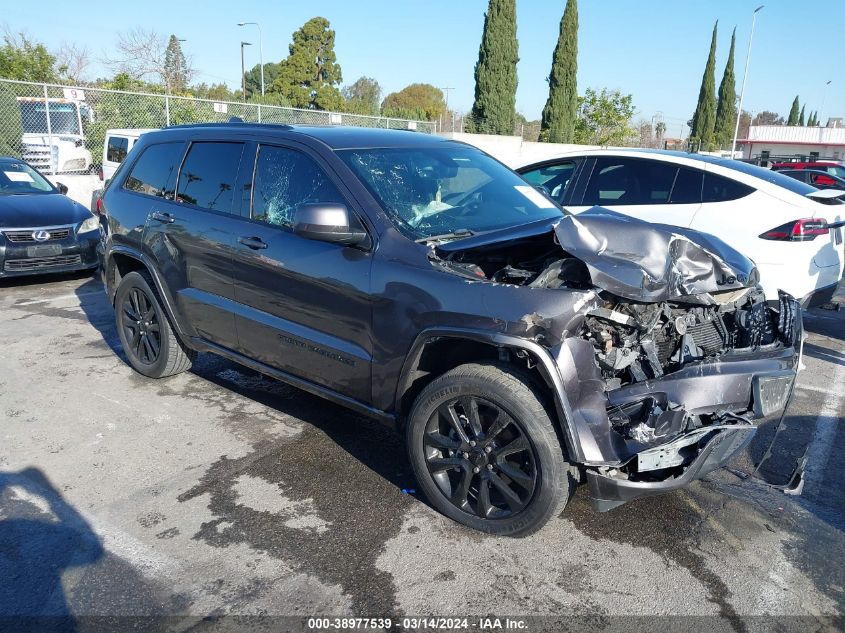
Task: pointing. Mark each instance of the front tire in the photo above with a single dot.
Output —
(150, 344)
(485, 452)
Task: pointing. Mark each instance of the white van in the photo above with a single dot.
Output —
(116, 146)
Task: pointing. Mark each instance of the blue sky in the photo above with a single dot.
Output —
(653, 49)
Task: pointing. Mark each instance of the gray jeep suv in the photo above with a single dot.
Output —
(520, 349)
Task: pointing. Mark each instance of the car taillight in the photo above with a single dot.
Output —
(803, 230)
(99, 206)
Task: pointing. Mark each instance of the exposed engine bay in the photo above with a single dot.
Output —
(634, 341)
(667, 307)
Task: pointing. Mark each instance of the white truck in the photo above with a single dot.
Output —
(53, 139)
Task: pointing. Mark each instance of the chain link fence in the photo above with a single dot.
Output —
(61, 129)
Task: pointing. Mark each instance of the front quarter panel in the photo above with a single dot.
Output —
(414, 301)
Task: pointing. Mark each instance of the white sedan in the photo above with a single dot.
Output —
(779, 222)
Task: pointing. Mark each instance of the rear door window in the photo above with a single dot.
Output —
(117, 148)
(720, 189)
(153, 174)
(208, 176)
(629, 181)
(687, 189)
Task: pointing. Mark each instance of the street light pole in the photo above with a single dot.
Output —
(260, 51)
(745, 77)
(824, 98)
(446, 92)
(243, 72)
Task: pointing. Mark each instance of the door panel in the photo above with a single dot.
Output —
(191, 238)
(303, 305)
(194, 253)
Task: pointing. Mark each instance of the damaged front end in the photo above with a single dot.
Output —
(683, 384)
(671, 354)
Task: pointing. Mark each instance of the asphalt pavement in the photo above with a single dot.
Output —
(221, 493)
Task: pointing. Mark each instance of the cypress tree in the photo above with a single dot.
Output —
(801, 117)
(726, 110)
(494, 109)
(704, 119)
(793, 113)
(175, 66)
(561, 111)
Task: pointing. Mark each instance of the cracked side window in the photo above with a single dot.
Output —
(285, 178)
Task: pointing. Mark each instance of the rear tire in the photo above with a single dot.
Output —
(150, 344)
(485, 452)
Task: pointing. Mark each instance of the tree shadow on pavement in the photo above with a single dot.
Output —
(41, 536)
(44, 278)
(822, 353)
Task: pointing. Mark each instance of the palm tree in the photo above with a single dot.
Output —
(659, 132)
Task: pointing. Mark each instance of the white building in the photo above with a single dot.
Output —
(770, 142)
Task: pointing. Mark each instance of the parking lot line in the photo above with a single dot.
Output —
(59, 298)
(826, 427)
(814, 388)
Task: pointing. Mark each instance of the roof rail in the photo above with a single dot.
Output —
(230, 122)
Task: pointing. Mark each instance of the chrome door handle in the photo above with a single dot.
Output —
(162, 216)
(255, 243)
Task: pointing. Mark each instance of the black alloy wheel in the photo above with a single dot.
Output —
(146, 334)
(484, 449)
(142, 327)
(479, 458)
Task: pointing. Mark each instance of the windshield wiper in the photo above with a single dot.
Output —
(454, 235)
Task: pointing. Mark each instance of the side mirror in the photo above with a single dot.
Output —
(62, 188)
(328, 222)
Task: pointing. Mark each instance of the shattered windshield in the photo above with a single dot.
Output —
(430, 191)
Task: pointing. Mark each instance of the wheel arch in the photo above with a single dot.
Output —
(120, 261)
(438, 350)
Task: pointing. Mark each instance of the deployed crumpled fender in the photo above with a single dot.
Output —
(648, 262)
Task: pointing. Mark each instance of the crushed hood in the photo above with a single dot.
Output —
(648, 262)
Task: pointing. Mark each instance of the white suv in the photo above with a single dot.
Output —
(116, 146)
(779, 222)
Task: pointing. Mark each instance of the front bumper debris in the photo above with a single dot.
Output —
(608, 491)
(669, 431)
